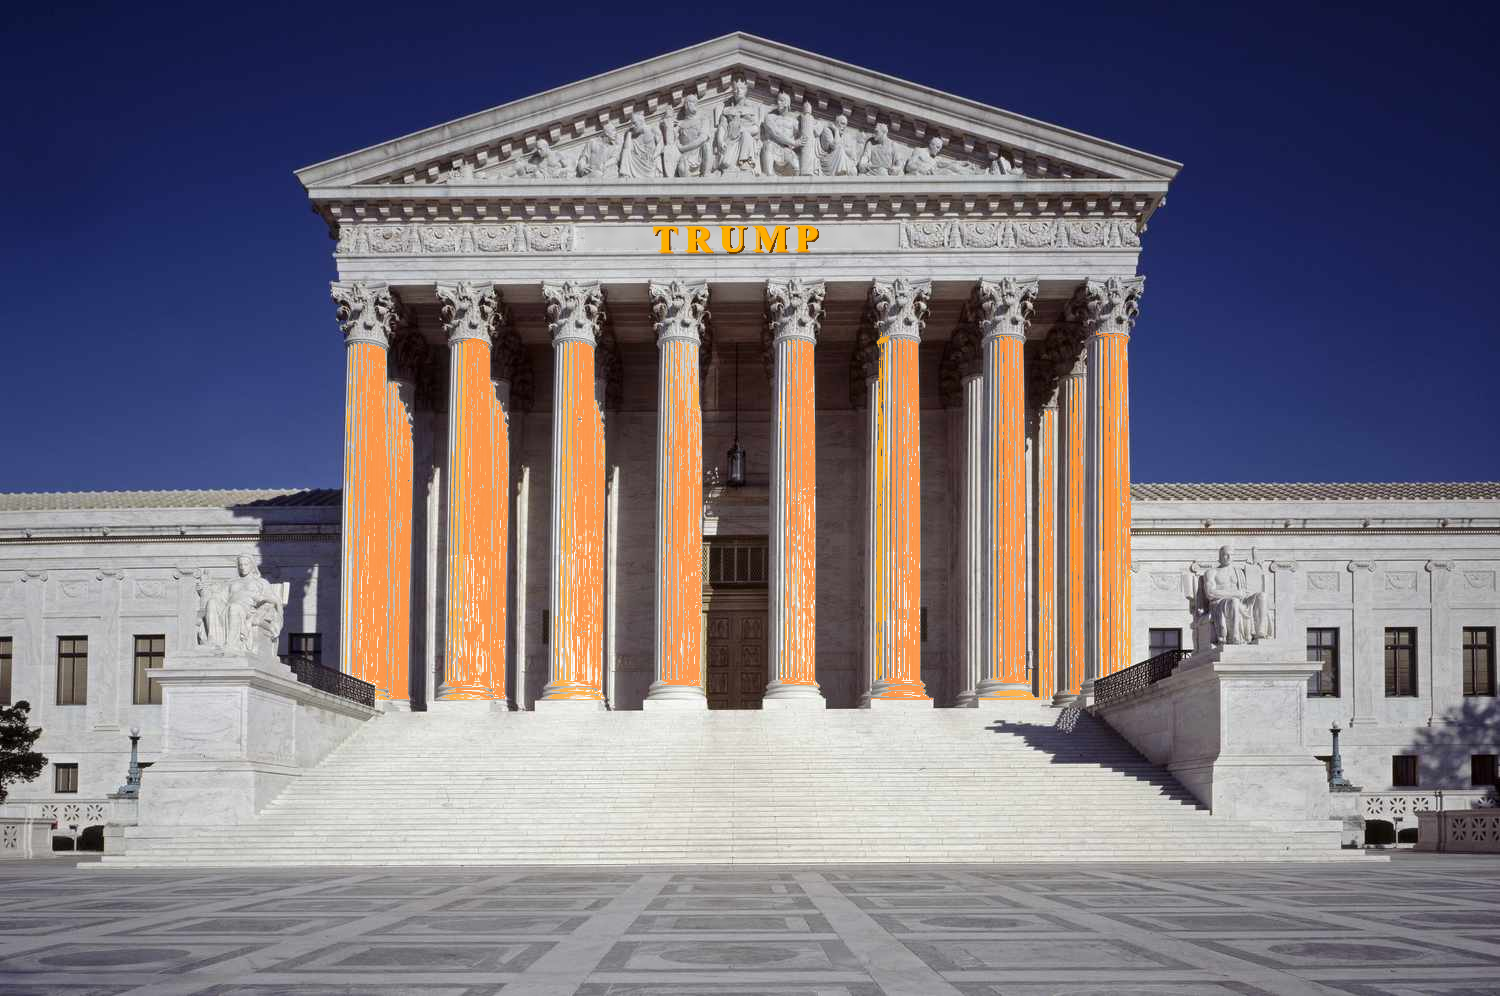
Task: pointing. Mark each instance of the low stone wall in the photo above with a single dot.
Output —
(1471, 831)
(24, 837)
(1228, 724)
(237, 730)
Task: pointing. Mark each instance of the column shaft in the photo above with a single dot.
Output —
(400, 396)
(575, 647)
(971, 542)
(1045, 549)
(679, 313)
(795, 311)
(1073, 503)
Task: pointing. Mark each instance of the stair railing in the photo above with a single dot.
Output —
(1137, 678)
(326, 679)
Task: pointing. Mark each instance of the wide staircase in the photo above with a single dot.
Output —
(735, 787)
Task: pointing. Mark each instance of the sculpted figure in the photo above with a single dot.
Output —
(1236, 606)
(780, 139)
(834, 155)
(641, 156)
(735, 132)
(544, 163)
(689, 141)
(232, 613)
(924, 162)
(601, 157)
(879, 157)
(1001, 166)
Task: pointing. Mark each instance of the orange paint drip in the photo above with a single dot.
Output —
(897, 592)
(1005, 467)
(679, 589)
(399, 435)
(796, 457)
(1046, 549)
(1075, 484)
(364, 617)
(1114, 503)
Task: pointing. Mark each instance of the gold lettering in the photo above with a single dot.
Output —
(764, 242)
(726, 236)
(666, 232)
(698, 239)
(806, 236)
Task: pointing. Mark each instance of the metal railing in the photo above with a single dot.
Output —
(1137, 678)
(326, 679)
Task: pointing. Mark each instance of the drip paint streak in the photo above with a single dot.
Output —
(679, 510)
(794, 517)
(1075, 561)
(364, 618)
(1005, 517)
(1046, 549)
(397, 684)
(1108, 354)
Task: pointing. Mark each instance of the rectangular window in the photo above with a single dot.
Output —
(307, 646)
(65, 778)
(1323, 647)
(1404, 771)
(1479, 660)
(1400, 662)
(72, 670)
(1163, 640)
(1482, 770)
(150, 652)
(6, 650)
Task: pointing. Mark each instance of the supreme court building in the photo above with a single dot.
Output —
(739, 377)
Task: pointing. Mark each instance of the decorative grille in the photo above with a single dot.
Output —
(326, 679)
(738, 563)
(1137, 678)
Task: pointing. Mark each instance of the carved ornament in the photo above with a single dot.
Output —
(366, 312)
(469, 310)
(575, 310)
(794, 309)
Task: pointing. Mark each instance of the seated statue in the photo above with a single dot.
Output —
(232, 614)
(1232, 597)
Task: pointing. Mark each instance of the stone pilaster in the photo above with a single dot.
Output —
(106, 666)
(474, 646)
(899, 310)
(679, 313)
(367, 313)
(1003, 309)
(575, 317)
(794, 312)
(1106, 311)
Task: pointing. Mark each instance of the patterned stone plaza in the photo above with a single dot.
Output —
(1420, 924)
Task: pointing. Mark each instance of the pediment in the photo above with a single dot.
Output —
(735, 108)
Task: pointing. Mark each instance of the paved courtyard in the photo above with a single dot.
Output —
(1419, 924)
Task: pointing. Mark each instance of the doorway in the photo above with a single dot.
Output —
(736, 616)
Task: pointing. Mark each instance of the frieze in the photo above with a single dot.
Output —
(456, 239)
(1047, 233)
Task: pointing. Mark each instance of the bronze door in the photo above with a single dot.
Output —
(736, 658)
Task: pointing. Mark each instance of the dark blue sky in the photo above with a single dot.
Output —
(1322, 292)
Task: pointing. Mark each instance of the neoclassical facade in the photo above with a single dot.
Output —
(551, 310)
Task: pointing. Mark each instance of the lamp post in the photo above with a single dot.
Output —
(132, 787)
(1336, 779)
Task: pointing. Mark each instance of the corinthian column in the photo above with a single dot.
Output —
(366, 313)
(1044, 530)
(407, 353)
(679, 311)
(1106, 309)
(474, 656)
(794, 310)
(1073, 463)
(575, 316)
(1003, 308)
(899, 310)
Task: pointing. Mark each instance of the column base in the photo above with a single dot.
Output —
(966, 700)
(1064, 699)
(393, 705)
(469, 707)
(884, 704)
(1003, 690)
(780, 695)
(567, 706)
(677, 698)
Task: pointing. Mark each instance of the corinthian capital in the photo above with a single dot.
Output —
(574, 311)
(1107, 307)
(468, 310)
(367, 312)
(679, 310)
(1003, 307)
(900, 307)
(794, 309)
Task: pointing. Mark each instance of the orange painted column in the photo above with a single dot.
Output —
(366, 314)
(1045, 547)
(575, 316)
(1073, 456)
(400, 401)
(1107, 310)
(895, 559)
(1004, 308)
(678, 312)
(794, 309)
(474, 644)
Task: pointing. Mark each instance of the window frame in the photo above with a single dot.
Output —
(7, 663)
(1325, 683)
(144, 691)
(315, 654)
(1397, 763)
(1476, 779)
(1393, 666)
(1151, 640)
(59, 769)
(72, 661)
(1470, 666)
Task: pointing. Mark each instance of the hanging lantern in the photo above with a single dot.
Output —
(736, 477)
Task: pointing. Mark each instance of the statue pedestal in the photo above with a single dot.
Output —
(237, 728)
(1228, 725)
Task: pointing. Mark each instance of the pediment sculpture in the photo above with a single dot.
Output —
(739, 136)
(242, 615)
(1229, 601)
